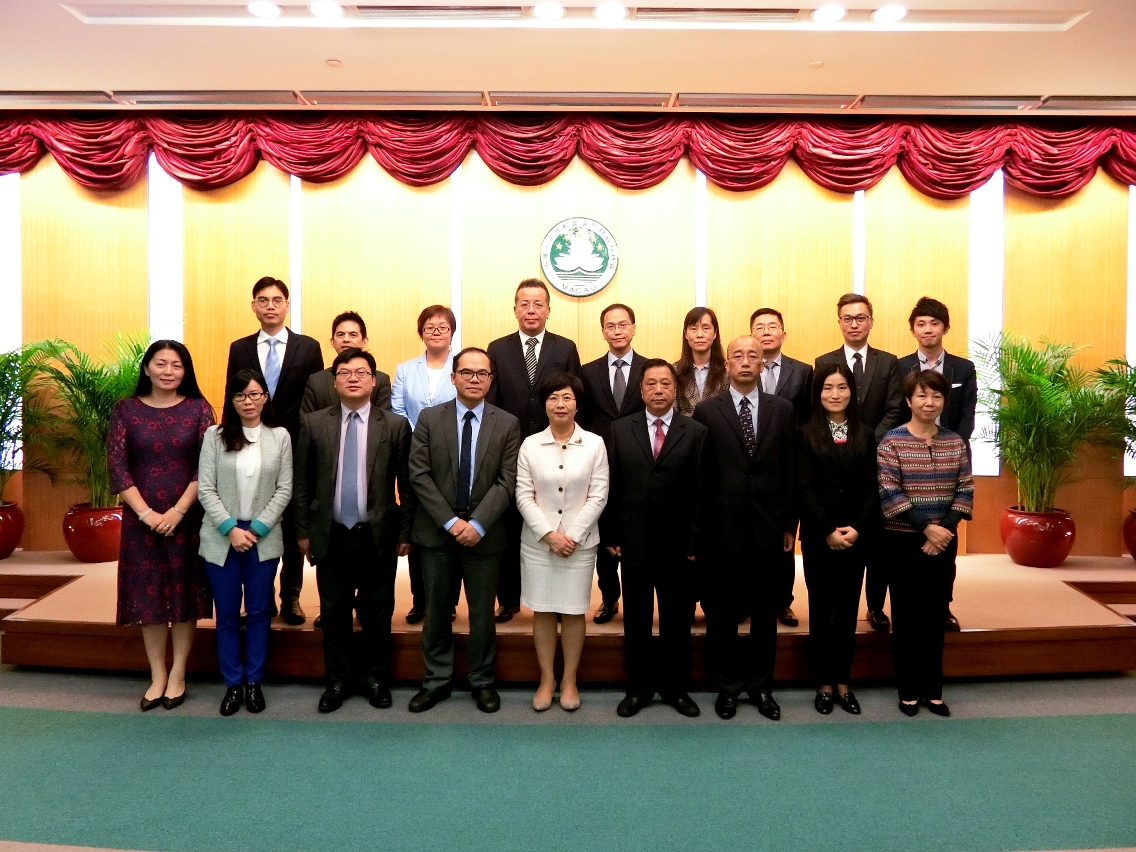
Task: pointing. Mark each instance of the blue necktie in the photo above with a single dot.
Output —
(349, 490)
(272, 367)
(465, 463)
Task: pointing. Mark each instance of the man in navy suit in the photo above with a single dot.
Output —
(929, 321)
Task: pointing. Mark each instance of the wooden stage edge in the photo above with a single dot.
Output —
(1016, 621)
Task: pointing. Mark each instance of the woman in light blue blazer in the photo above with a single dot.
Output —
(244, 484)
(420, 383)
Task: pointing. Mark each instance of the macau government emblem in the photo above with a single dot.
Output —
(579, 256)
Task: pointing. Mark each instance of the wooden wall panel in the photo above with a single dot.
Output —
(85, 277)
(916, 246)
(379, 247)
(787, 245)
(233, 236)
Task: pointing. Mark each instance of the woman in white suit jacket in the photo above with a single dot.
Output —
(244, 484)
(562, 485)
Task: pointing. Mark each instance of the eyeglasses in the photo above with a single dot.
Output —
(255, 396)
(480, 375)
(617, 326)
(858, 319)
(766, 326)
(346, 374)
(538, 305)
(275, 301)
(436, 329)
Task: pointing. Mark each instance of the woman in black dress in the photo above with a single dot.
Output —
(839, 504)
(152, 448)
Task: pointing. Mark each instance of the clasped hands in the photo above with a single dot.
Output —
(937, 539)
(465, 533)
(560, 544)
(842, 538)
(165, 523)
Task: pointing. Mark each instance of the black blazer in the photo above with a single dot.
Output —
(302, 357)
(962, 399)
(317, 465)
(320, 391)
(795, 383)
(752, 499)
(654, 506)
(838, 488)
(598, 410)
(510, 389)
(881, 397)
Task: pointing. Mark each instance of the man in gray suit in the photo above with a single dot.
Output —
(352, 459)
(463, 466)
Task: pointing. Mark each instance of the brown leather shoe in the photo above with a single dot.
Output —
(787, 617)
(878, 620)
(291, 613)
(505, 613)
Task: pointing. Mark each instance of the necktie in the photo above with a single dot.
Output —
(272, 367)
(660, 437)
(530, 359)
(747, 425)
(619, 386)
(349, 490)
(769, 378)
(465, 463)
(858, 374)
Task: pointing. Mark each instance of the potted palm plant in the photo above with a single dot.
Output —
(83, 391)
(1044, 409)
(1119, 377)
(19, 416)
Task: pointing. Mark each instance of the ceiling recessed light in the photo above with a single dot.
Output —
(334, 63)
(264, 9)
(548, 11)
(816, 65)
(829, 13)
(326, 9)
(610, 11)
(889, 14)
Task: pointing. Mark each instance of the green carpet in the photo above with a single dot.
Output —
(168, 783)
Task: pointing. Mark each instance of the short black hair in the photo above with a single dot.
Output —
(268, 281)
(853, 299)
(349, 316)
(533, 282)
(771, 311)
(651, 363)
(350, 354)
(617, 306)
(467, 351)
(436, 311)
(928, 307)
(929, 380)
(558, 381)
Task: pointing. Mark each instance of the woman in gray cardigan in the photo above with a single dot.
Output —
(244, 483)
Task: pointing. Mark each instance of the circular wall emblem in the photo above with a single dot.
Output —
(579, 256)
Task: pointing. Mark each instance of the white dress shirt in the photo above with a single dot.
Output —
(248, 472)
(361, 473)
(936, 365)
(626, 359)
(262, 346)
(478, 414)
(752, 396)
(651, 418)
(525, 342)
(849, 352)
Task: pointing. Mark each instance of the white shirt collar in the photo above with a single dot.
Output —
(776, 360)
(478, 410)
(923, 359)
(704, 368)
(849, 352)
(546, 436)
(364, 412)
(525, 337)
(252, 435)
(281, 335)
(626, 359)
(752, 396)
(666, 418)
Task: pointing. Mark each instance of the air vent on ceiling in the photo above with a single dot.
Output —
(404, 99)
(790, 102)
(234, 98)
(936, 102)
(739, 16)
(1089, 104)
(457, 13)
(13, 100)
(579, 99)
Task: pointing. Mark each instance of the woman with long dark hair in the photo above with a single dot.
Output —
(840, 515)
(702, 368)
(153, 444)
(245, 483)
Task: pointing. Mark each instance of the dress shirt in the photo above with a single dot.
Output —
(776, 364)
(248, 472)
(936, 365)
(433, 376)
(478, 414)
(361, 473)
(262, 346)
(651, 418)
(849, 352)
(525, 340)
(752, 396)
(700, 374)
(611, 359)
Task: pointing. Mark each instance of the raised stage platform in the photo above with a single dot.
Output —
(1077, 618)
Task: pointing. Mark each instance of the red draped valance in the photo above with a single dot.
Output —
(942, 158)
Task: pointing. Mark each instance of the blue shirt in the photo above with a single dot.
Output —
(478, 414)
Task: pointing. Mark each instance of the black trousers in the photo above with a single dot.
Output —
(920, 586)
(355, 574)
(418, 584)
(292, 562)
(667, 670)
(509, 570)
(739, 584)
(834, 579)
(877, 584)
(785, 576)
(607, 572)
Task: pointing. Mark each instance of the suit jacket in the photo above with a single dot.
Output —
(411, 391)
(962, 398)
(654, 508)
(838, 488)
(562, 485)
(795, 383)
(599, 410)
(434, 456)
(687, 398)
(881, 397)
(510, 389)
(302, 357)
(320, 391)
(753, 498)
(317, 464)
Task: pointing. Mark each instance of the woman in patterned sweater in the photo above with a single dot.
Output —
(925, 490)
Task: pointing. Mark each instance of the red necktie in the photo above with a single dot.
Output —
(660, 437)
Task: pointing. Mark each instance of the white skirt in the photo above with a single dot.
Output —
(551, 583)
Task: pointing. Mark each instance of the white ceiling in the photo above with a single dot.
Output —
(45, 47)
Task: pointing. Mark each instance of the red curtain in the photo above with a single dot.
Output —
(944, 159)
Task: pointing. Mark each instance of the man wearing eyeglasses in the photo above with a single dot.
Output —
(520, 360)
(286, 360)
(879, 390)
(351, 465)
(348, 331)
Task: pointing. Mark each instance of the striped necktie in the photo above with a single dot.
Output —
(530, 359)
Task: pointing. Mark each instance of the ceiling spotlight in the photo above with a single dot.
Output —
(326, 9)
(829, 13)
(264, 9)
(610, 11)
(548, 11)
(890, 14)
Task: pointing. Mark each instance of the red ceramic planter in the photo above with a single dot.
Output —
(1038, 539)
(11, 528)
(93, 534)
(1130, 532)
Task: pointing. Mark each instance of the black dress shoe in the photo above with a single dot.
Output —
(631, 704)
(909, 709)
(951, 624)
(424, 699)
(849, 703)
(606, 612)
(170, 702)
(150, 703)
(415, 615)
(940, 709)
(378, 694)
(505, 613)
(332, 698)
(318, 623)
(823, 703)
(488, 701)
(878, 620)
(726, 706)
(234, 698)
(454, 614)
(767, 706)
(787, 617)
(254, 698)
(291, 613)
(684, 704)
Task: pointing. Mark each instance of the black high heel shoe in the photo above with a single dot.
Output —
(940, 709)
(150, 703)
(909, 709)
(170, 703)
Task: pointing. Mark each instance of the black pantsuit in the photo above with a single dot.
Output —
(834, 579)
(668, 671)
(920, 588)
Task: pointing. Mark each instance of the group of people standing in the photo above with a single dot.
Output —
(514, 471)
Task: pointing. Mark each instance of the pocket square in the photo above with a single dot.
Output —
(956, 385)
